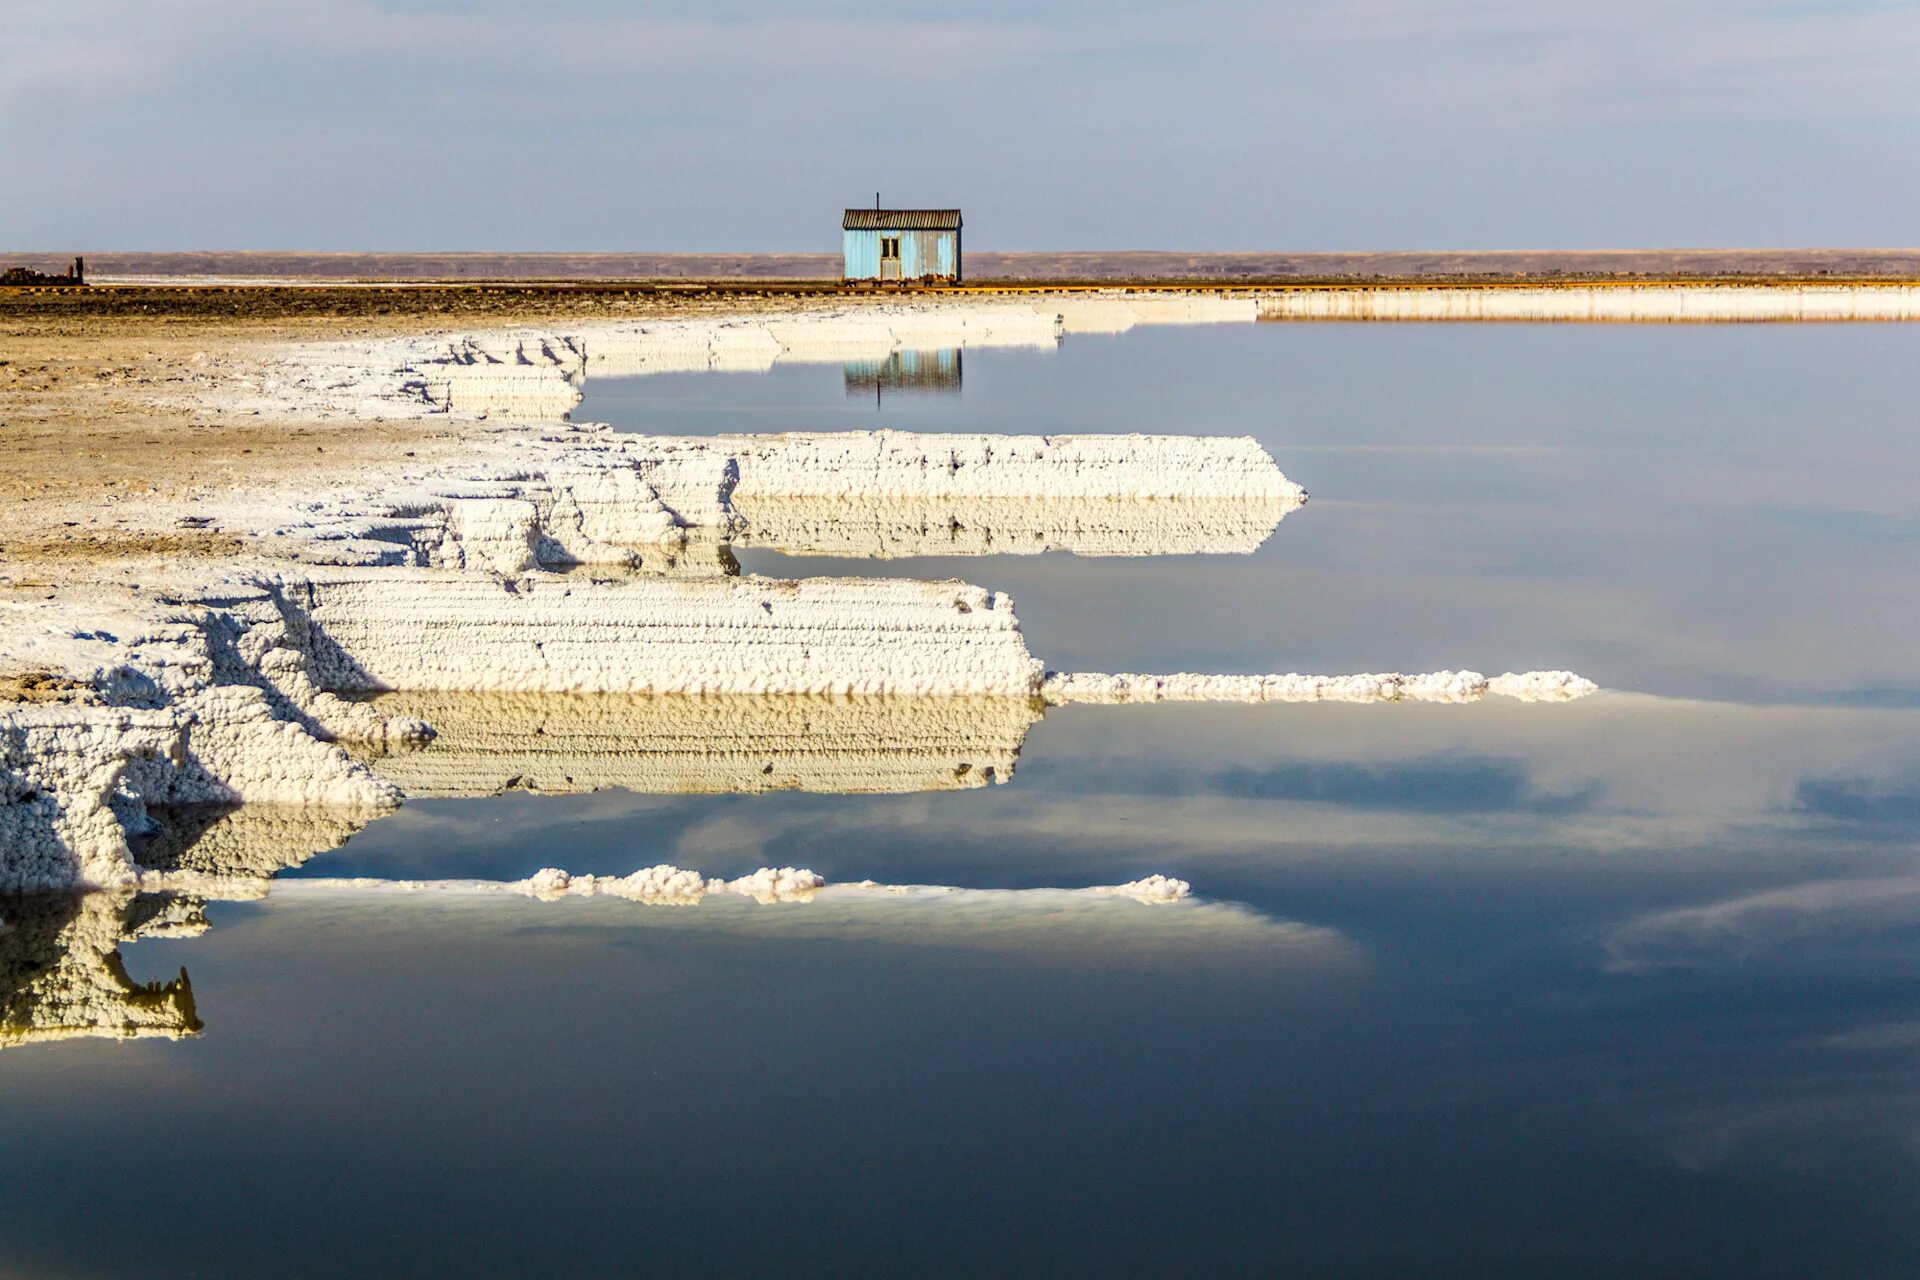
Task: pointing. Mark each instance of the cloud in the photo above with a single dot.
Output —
(1823, 920)
(356, 123)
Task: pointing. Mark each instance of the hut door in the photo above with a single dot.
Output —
(889, 257)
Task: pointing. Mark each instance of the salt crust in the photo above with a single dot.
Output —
(225, 692)
(566, 496)
(1438, 686)
(535, 374)
(1701, 303)
(668, 885)
(232, 698)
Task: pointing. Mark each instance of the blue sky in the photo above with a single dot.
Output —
(731, 124)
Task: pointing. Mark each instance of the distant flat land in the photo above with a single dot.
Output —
(1077, 266)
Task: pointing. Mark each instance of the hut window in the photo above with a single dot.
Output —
(889, 247)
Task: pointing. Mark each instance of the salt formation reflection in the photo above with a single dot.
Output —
(486, 744)
(61, 975)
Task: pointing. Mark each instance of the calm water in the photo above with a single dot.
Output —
(1626, 986)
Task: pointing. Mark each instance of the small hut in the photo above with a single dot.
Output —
(901, 246)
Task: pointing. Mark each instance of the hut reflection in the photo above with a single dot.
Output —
(937, 372)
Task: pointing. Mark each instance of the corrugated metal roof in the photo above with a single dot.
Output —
(901, 220)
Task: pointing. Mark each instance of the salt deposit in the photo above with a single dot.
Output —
(428, 630)
(572, 495)
(1151, 889)
(221, 686)
(1117, 313)
(869, 465)
(231, 698)
(834, 335)
(1060, 688)
(668, 885)
(1715, 303)
(530, 374)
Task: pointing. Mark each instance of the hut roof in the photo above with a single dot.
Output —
(901, 220)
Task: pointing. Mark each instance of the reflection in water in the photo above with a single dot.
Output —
(61, 975)
(487, 744)
(935, 372)
(243, 841)
(1865, 916)
(888, 527)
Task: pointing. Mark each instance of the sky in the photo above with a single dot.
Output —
(746, 125)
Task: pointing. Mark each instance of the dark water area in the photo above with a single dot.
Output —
(1620, 986)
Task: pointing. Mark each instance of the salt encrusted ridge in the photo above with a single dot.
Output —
(1060, 688)
(432, 576)
(673, 886)
(186, 704)
(537, 374)
(233, 698)
(1711, 303)
(1151, 890)
(416, 629)
(524, 499)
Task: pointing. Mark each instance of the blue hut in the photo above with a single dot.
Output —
(920, 245)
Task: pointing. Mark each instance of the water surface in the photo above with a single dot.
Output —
(1624, 986)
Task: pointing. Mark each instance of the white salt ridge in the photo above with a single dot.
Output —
(588, 495)
(177, 705)
(1061, 688)
(662, 885)
(533, 375)
(435, 583)
(234, 699)
(864, 466)
(1679, 303)
(668, 885)
(831, 336)
(1151, 890)
(1115, 313)
(425, 630)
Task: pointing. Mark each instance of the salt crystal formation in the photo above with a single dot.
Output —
(1060, 688)
(223, 686)
(1715, 303)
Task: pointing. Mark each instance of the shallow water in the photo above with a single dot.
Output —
(1619, 986)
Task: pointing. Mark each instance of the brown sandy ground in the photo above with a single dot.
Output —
(90, 459)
